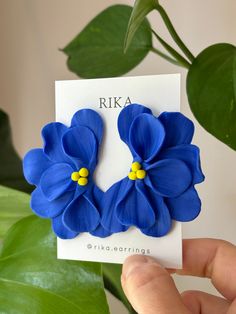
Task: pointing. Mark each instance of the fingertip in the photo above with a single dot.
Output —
(140, 258)
(136, 261)
(149, 286)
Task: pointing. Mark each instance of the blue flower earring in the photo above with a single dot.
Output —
(158, 188)
(160, 185)
(63, 175)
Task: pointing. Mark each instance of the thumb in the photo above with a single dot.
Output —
(149, 287)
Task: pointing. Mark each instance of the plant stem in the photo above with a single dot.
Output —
(181, 60)
(173, 33)
(164, 56)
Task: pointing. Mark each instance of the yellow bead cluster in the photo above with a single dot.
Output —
(136, 171)
(80, 176)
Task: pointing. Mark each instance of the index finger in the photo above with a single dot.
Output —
(214, 259)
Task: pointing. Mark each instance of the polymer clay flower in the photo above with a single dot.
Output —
(160, 184)
(63, 174)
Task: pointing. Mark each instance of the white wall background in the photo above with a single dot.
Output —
(31, 31)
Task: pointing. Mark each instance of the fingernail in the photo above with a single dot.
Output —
(133, 262)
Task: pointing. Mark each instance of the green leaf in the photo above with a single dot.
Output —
(32, 280)
(140, 11)
(211, 88)
(11, 173)
(98, 50)
(14, 205)
(111, 275)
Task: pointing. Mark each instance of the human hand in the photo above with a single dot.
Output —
(151, 290)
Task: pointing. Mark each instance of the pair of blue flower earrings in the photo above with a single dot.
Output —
(158, 188)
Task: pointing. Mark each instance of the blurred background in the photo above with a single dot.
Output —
(31, 33)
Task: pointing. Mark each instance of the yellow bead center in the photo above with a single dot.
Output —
(136, 171)
(83, 181)
(80, 176)
(83, 172)
(135, 166)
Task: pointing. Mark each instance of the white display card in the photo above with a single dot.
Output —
(108, 97)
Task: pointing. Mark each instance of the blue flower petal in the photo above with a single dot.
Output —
(81, 215)
(108, 204)
(46, 209)
(60, 229)
(80, 145)
(179, 129)
(190, 155)
(97, 194)
(35, 163)
(186, 207)
(163, 221)
(126, 117)
(56, 180)
(146, 137)
(91, 119)
(135, 209)
(169, 177)
(52, 135)
(97, 197)
(100, 232)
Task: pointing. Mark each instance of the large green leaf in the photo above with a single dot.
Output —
(111, 275)
(14, 205)
(98, 50)
(211, 88)
(11, 174)
(32, 280)
(140, 11)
